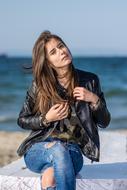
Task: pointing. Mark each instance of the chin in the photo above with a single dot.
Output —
(68, 61)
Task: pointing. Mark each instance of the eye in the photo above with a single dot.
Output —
(61, 45)
(53, 52)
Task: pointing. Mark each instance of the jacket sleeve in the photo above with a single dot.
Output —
(101, 115)
(26, 119)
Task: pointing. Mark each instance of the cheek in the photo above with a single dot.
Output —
(54, 61)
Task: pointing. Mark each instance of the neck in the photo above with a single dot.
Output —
(63, 78)
(62, 73)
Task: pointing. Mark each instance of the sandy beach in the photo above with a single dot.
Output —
(9, 142)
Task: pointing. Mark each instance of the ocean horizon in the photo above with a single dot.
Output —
(15, 80)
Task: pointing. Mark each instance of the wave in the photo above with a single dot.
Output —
(116, 92)
(8, 119)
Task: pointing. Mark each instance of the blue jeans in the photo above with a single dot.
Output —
(66, 159)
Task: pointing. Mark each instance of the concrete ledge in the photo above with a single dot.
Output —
(109, 174)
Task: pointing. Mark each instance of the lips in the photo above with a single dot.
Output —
(66, 56)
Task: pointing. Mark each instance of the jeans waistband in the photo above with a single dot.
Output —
(50, 139)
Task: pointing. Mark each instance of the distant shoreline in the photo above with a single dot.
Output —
(8, 56)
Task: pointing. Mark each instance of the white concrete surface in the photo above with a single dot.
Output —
(109, 174)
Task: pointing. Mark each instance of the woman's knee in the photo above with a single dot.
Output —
(48, 179)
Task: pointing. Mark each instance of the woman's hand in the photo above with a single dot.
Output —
(57, 112)
(81, 93)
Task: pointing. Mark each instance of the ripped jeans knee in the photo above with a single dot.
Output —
(47, 178)
(65, 158)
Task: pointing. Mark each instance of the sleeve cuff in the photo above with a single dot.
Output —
(96, 106)
(43, 121)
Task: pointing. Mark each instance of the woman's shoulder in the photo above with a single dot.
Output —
(32, 88)
(85, 75)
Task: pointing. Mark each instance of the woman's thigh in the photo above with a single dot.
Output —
(39, 157)
(77, 157)
(36, 158)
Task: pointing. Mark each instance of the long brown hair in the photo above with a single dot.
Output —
(45, 75)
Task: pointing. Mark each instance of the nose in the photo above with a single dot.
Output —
(61, 51)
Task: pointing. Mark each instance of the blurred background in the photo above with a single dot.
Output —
(96, 34)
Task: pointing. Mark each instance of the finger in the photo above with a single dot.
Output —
(77, 94)
(59, 108)
(64, 109)
(64, 112)
(78, 97)
(66, 106)
(63, 116)
(81, 89)
(77, 88)
(56, 106)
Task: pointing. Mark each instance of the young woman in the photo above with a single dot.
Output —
(63, 109)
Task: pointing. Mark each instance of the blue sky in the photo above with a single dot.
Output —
(89, 27)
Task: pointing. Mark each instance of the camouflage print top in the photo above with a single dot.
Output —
(70, 128)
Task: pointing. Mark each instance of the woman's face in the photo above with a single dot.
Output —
(57, 54)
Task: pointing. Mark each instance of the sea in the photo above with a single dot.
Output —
(15, 80)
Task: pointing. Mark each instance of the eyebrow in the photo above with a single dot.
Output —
(54, 48)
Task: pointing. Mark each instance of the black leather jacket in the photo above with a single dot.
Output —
(90, 119)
